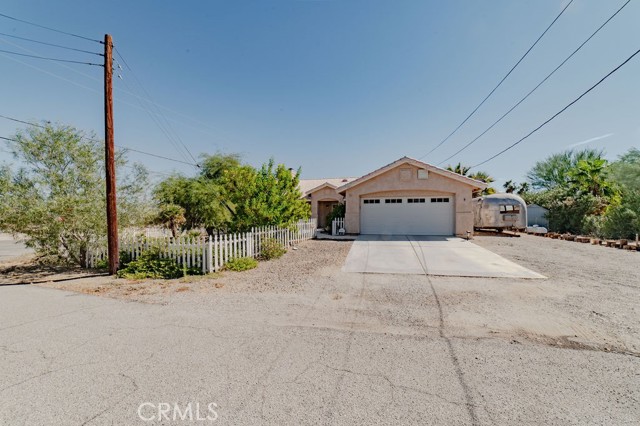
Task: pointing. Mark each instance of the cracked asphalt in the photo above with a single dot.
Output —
(342, 349)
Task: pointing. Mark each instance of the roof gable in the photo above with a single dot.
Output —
(321, 186)
(475, 184)
(307, 186)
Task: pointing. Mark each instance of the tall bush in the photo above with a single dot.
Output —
(56, 197)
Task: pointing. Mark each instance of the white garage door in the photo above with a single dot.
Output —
(407, 216)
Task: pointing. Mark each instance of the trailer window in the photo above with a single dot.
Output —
(509, 209)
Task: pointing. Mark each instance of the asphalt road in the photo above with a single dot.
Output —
(10, 248)
(382, 354)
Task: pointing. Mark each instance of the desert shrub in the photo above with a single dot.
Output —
(271, 249)
(337, 212)
(194, 233)
(241, 264)
(125, 258)
(570, 214)
(623, 221)
(152, 265)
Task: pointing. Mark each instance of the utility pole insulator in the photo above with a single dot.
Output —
(109, 158)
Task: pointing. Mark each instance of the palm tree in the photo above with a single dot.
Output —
(459, 169)
(483, 177)
(590, 176)
(523, 188)
(509, 186)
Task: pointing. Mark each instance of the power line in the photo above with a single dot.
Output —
(127, 166)
(155, 118)
(155, 155)
(50, 59)
(129, 92)
(51, 44)
(149, 97)
(51, 29)
(536, 87)
(97, 141)
(559, 112)
(500, 82)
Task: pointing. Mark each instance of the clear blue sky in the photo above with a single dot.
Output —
(336, 87)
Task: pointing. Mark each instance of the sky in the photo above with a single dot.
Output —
(337, 88)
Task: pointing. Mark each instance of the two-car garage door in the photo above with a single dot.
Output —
(424, 215)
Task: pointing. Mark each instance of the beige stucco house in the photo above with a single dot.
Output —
(406, 197)
(323, 196)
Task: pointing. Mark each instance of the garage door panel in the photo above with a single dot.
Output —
(407, 216)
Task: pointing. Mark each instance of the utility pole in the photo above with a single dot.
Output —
(109, 158)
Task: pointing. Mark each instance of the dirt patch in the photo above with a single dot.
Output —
(289, 274)
(589, 300)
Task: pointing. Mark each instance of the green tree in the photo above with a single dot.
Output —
(523, 188)
(212, 167)
(172, 217)
(481, 176)
(269, 196)
(591, 176)
(57, 196)
(200, 198)
(626, 170)
(459, 169)
(554, 170)
(509, 186)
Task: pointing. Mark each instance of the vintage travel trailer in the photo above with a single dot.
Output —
(499, 211)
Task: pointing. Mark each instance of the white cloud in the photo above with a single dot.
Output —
(597, 138)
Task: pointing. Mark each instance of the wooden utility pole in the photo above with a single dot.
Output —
(109, 158)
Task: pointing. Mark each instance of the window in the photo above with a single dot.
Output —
(373, 201)
(440, 200)
(509, 209)
(415, 200)
(422, 174)
(393, 201)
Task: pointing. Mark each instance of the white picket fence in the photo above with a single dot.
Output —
(209, 254)
(336, 225)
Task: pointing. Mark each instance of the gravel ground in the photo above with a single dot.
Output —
(297, 341)
(592, 290)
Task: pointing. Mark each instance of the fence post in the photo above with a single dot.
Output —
(209, 251)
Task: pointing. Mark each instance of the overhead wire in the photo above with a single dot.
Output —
(128, 92)
(168, 125)
(161, 126)
(83, 86)
(51, 44)
(536, 87)
(50, 59)
(500, 82)
(96, 141)
(51, 29)
(559, 112)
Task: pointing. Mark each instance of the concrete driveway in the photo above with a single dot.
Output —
(441, 256)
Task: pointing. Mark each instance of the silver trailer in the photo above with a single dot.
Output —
(499, 211)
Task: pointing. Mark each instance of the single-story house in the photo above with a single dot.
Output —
(322, 195)
(406, 197)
